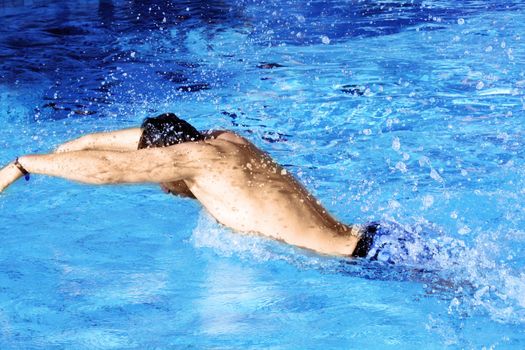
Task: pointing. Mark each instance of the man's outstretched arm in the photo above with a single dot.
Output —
(119, 140)
(156, 165)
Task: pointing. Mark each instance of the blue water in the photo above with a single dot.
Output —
(403, 111)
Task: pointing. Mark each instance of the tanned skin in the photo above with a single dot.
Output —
(240, 185)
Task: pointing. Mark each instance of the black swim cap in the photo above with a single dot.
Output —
(166, 130)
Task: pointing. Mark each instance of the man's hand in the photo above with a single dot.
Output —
(8, 175)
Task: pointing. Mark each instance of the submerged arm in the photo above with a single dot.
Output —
(120, 140)
(157, 165)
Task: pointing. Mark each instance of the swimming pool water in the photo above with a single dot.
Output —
(406, 111)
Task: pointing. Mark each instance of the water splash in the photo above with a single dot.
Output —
(470, 278)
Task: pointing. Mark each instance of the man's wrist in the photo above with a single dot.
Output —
(21, 168)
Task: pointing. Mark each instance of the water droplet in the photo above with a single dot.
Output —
(396, 144)
(325, 39)
(428, 201)
(402, 167)
(481, 292)
(132, 54)
(367, 132)
(461, 21)
(283, 172)
(480, 85)
(424, 161)
(393, 204)
(435, 175)
(463, 230)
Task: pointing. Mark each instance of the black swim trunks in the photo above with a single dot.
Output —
(365, 242)
(389, 242)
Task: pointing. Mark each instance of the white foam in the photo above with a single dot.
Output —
(210, 234)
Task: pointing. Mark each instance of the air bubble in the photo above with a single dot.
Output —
(325, 39)
(461, 21)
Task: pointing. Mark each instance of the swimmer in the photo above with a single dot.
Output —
(240, 185)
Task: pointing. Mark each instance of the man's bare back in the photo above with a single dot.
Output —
(241, 186)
